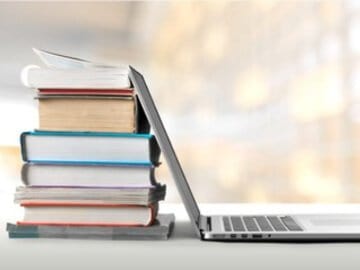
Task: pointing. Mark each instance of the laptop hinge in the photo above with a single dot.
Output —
(204, 223)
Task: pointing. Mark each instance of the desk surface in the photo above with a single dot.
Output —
(183, 250)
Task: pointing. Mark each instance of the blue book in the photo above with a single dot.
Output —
(89, 148)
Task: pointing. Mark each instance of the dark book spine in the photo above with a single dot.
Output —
(23, 145)
(25, 173)
(154, 151)
(142, 123)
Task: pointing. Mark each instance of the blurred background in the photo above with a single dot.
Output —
(260, 98)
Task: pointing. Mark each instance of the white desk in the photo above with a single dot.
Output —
(183, 251)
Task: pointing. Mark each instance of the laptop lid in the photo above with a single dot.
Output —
(166, 147)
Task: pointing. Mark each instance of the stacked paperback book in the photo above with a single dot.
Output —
(89, 167)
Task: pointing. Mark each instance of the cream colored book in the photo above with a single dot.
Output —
(88, 113)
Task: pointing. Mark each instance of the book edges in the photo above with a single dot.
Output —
(96, 224)
(81, 92)
(87, 133)
(116, 72)
(153, 210)
(160, 230)
(26, 167)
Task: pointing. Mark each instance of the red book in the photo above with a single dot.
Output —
(87, 214)
(87, 92)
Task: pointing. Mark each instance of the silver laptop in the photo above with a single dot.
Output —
(268, 227)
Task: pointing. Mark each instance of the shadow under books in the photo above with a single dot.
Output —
(183, 230)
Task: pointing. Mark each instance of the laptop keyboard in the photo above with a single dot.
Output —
(260, 223)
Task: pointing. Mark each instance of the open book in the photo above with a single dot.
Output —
(55, 60)
(66, 72)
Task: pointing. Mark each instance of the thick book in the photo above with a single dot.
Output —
(89, 147)
(88, 175)
(91, 113)
(121, 195)
(161, 229)
(87, 214)
(76, 78)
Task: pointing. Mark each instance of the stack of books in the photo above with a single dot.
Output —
(91, 162)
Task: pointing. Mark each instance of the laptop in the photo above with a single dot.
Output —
(267, 227)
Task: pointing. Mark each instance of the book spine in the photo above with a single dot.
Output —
(23, 145)
(25, 173)
(142, 123)
(154, 151)
(154, 209)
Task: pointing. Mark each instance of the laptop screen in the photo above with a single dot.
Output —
(165, 145)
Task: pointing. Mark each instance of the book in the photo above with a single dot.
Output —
(75, 78)
(89, 167)
(56, 60)
(124, 195)
(89, 175)
(87, 214)
(86, 92)
(161, 229)
(89, 147)
(90, 113)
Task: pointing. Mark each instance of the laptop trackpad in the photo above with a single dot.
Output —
(331, 222)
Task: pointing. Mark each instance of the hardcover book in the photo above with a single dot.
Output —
(124, 195)
(89, 174)
(91, 113)
(161, 229)
(76, 78)
(89, 147)
(87, 214)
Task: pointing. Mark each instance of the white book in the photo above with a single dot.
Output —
(113, 195)
(56, 60)
(66, 72)
(75, 78)
(87, 175)
(89, 148)
(88, 214)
